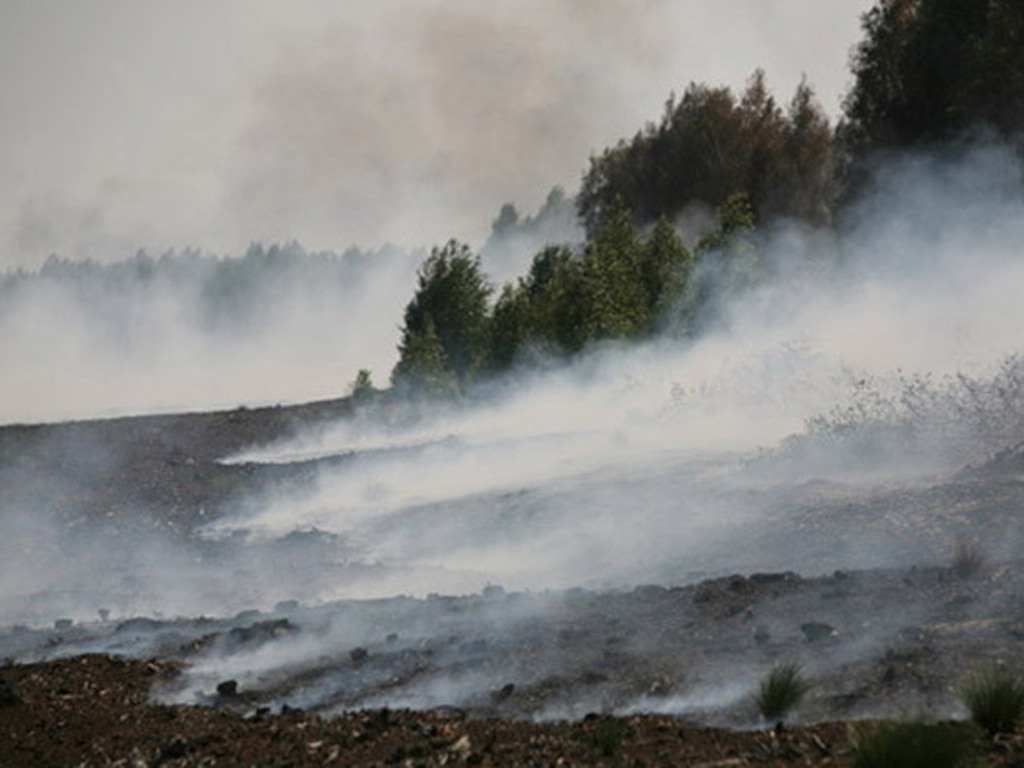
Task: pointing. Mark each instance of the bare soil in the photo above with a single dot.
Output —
(554, 682)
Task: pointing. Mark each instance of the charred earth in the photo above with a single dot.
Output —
(651, 671)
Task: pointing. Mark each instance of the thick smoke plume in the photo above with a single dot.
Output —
(364, 122)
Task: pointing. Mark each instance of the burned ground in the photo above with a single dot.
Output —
(655, 674)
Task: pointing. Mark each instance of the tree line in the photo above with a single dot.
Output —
(925, 73)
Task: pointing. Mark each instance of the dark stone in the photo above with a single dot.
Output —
(62, 624)
(227, 689)
(359, 655)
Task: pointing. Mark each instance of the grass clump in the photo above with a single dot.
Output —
(782, 689)
(969, 560)
(995, 699)
(609, 734)
(891, 744)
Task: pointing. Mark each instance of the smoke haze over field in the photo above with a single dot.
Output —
(140, 124)
(632, 465)
(929, 288)
(213, 125)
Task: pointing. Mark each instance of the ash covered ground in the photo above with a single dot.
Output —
(650, 585)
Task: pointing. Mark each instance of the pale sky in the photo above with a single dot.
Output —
(130, 124)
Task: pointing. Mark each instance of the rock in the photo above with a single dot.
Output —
(62, 624)
(227, 689)
(359, 655)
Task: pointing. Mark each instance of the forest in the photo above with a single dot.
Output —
(673, 216)
(664, 228)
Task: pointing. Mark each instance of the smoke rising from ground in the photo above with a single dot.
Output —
(537, 486)
(634, 465)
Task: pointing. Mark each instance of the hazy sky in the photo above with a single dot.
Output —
(212, 123)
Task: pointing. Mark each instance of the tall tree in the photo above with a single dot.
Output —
(708, 146)
(451, 301)
(616, 305)
(666, 266)
(927, 71)
(422, 367)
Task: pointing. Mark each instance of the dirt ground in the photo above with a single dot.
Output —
(553, 683)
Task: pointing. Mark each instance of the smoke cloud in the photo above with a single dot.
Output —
(665, 463)
(211, 126)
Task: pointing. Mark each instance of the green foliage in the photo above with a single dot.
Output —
(734, 221)
(447, 322)
(622, 286)
(512, 327)
(912, 745)
(666, 266)
(929, 70)
(782, 689)
(617, 304)
(709, 146)
(423, 367)
(995, 699)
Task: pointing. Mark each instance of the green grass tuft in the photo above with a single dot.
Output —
(995, 699)
(891, 744)
(783, 688)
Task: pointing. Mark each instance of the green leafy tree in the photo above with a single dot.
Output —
(807, 184)
(666, 266)
(927, 71)
(512, 327)
(452, 303)
(422, 368)
(734, 223)
(710, 145)
(728, 260)
(557, 288)
(616, 301)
